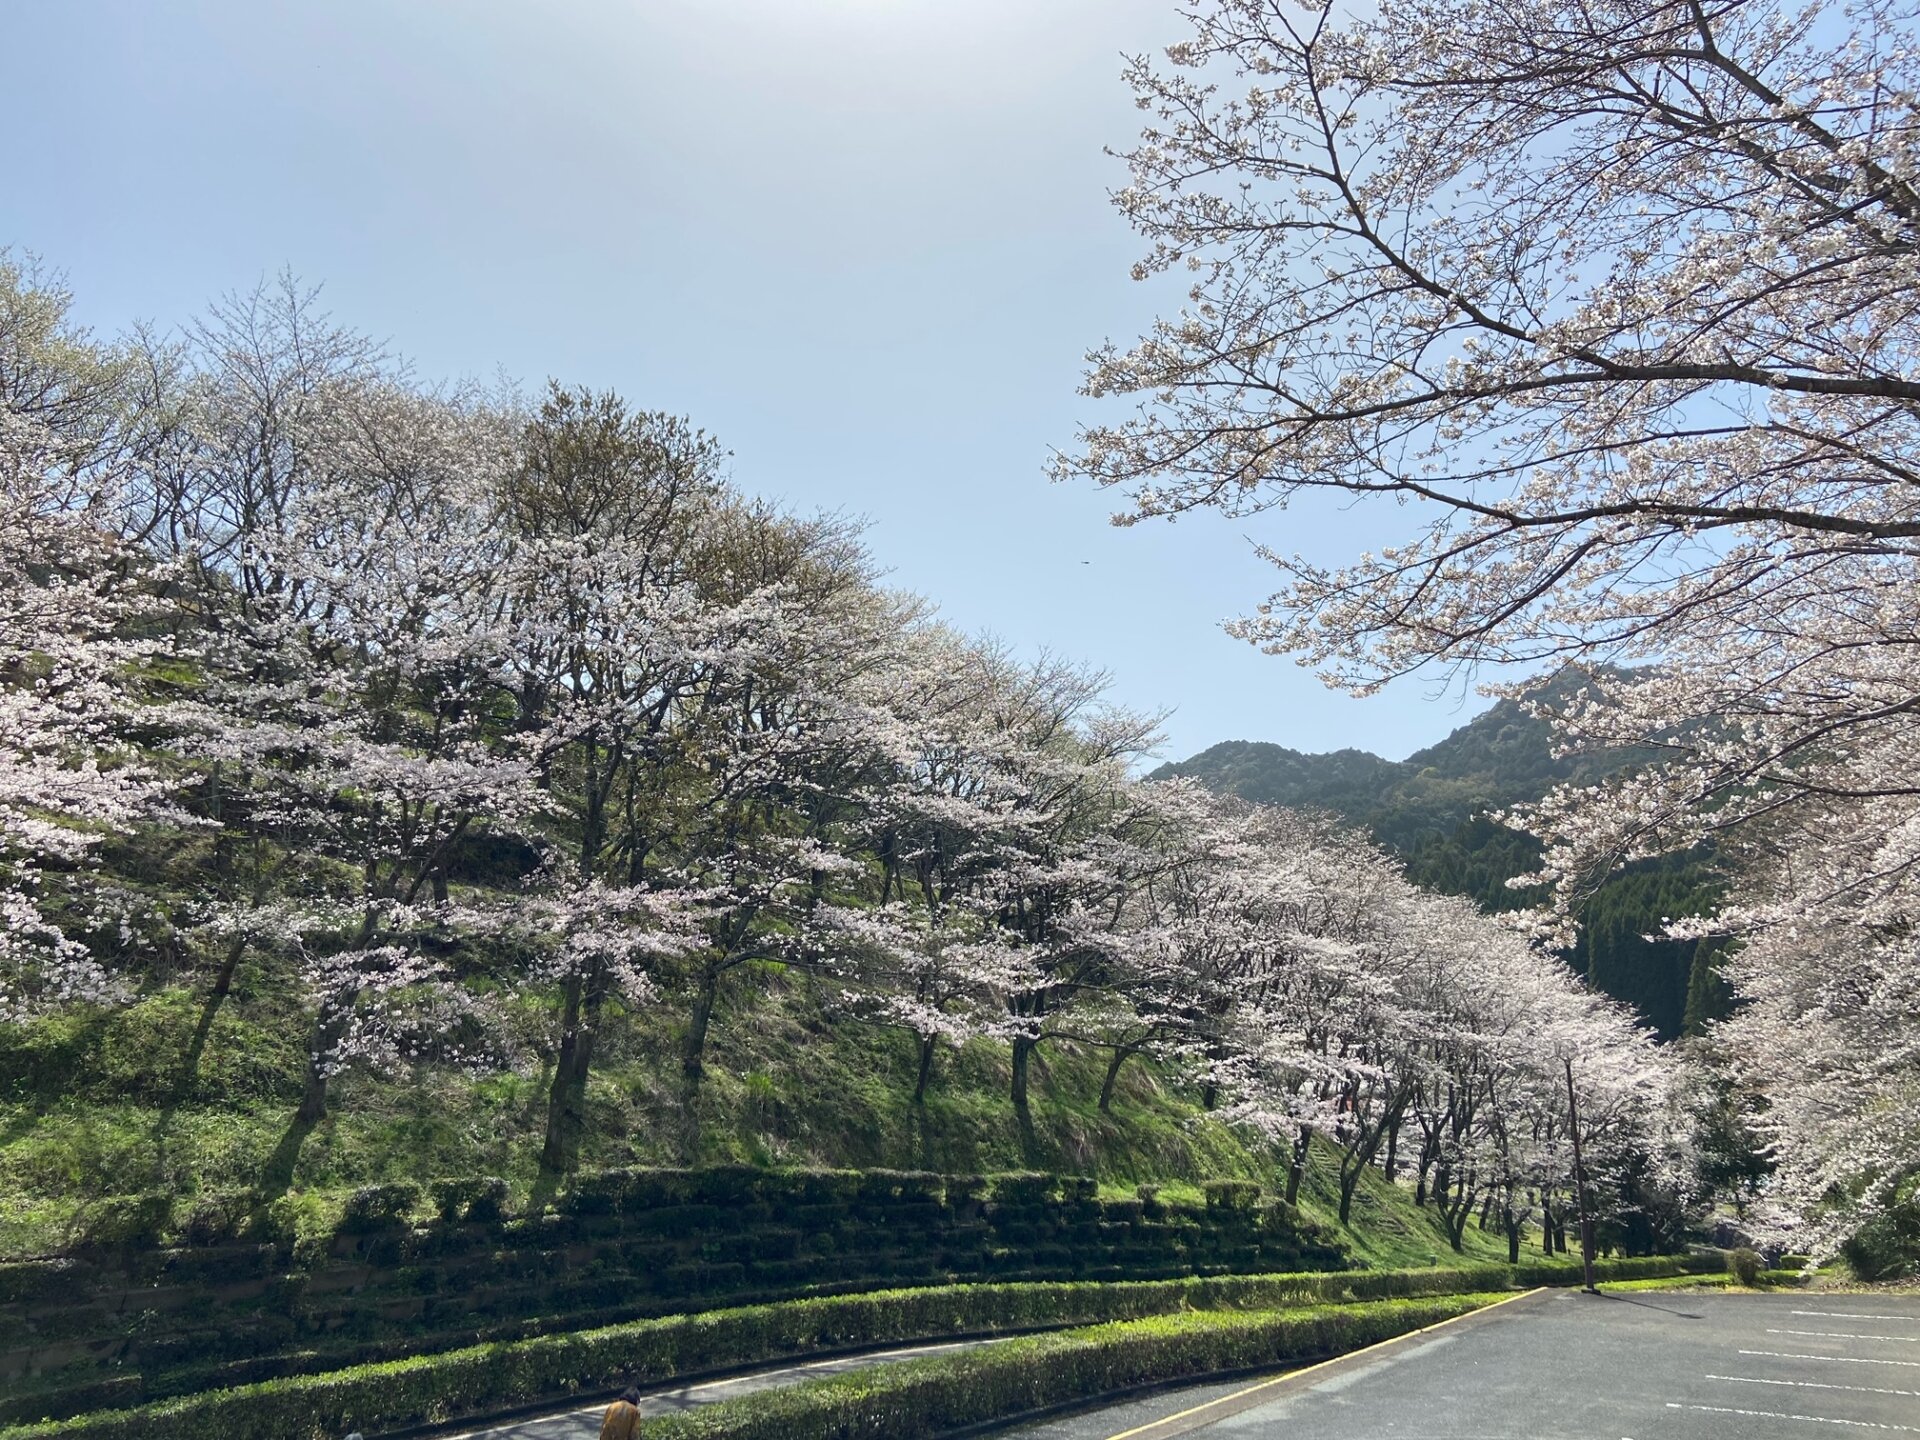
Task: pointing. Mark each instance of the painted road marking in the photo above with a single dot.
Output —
(1834, 1359)
(1184, 1421)
(1848, 1335)
(1783, 1415)
(1811, 1385)
(1845, 1315)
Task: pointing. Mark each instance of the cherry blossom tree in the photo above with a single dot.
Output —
(322, 527)
(605, 513)
(1826, 1040)
(1362, 1003)
(1185, 940)
(69, 773)
(72, 713)
(1079, 834)
(1607, 314)
(357, 695)
(456, 694)
(1323, 1003)
(937, 974)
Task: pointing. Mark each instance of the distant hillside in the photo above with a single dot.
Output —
(1430, 810)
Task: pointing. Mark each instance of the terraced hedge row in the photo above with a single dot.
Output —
(126, 1325)
(483, 1379)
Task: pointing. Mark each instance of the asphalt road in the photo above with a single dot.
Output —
(1657, 1365)
(584, 1423)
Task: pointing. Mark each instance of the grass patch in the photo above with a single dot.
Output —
(1388, 1231)
(95, 1105)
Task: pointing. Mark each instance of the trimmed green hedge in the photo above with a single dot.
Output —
(1767, 1279)
(152, 1219)
(129, 1324)
(929, 1397)
(482, 1379)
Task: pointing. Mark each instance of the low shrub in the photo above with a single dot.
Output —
(598, 1192)
(379, 1207)
(1643, 1267)
(127, 1221)
(301, 1220)
(219, 1217)
(1231, 1194)
(30, 1280)
(1887, 1247)
(894, 1186)
(481, 1198)
(1745, 1265)
(1786, 1279)
(1024, 1188)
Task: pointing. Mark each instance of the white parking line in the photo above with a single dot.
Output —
(1835, 1359)
(1811, 1385)
(1783, 1415)
(1848, 1335)
(1845, 1315)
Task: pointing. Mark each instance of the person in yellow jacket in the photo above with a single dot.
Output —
(622, 1418)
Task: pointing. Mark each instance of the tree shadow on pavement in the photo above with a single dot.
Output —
(1649, 1305)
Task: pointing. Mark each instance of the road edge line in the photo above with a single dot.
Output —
(1153, 1429)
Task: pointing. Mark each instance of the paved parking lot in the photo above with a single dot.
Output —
(1656, 1365)
(1659, 1365)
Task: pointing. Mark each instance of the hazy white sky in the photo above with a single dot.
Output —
(865, 242)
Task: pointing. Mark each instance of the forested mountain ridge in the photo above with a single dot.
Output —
(1431, 811)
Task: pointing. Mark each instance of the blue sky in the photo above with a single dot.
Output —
(864, 242)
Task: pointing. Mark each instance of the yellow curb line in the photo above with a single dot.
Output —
(1154, 1428)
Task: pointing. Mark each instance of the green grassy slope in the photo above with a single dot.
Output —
(117, 1103)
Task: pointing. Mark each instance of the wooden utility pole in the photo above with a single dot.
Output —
(1580, 1187)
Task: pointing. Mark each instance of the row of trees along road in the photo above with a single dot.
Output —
(449, 702)
(1614, 306)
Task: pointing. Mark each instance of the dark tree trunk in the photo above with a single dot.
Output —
(556, 1155)
(1120, 1054)
(1420, 1189)
(1023, 1049)
(313, 1092)
(313, 1095)
(926, 1069)
(1297, 1167)
(693, 1053)
(223, 982)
